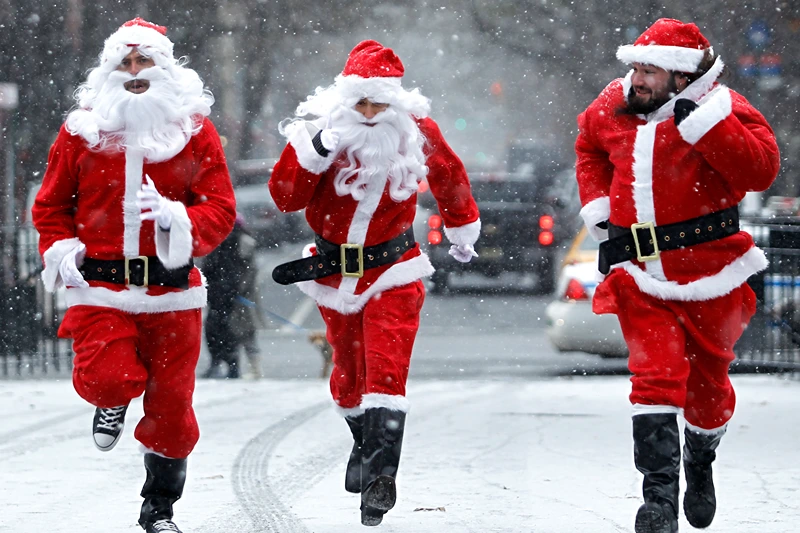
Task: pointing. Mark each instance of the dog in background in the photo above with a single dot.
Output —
(318, 339)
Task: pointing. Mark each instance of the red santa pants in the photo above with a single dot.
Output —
(680, 352)
(372, 348)
(119, 356)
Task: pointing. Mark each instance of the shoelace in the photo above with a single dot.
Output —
(165, 525)
(109, 418)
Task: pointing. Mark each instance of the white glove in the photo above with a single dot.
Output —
(463, 252)
(330, 139)
(68, 268)
(149, 198)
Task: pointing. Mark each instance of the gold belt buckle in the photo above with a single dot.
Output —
(343, 256)
(645, 225)
(145, 259)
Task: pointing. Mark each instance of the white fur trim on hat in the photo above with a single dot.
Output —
(147, 40)
(677, 58)
(382, 91)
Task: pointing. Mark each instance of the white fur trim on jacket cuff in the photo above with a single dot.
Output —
(300, 139)
(174, 247)
(52, 261)
(598, 210)
(389, 401)
(466, 234)
(706, 116)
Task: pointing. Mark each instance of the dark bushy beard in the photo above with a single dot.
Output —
(388, 144)
(634, 106)
(156, 122)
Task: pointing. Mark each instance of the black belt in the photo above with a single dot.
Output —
(637, 241)
(142, 271)
(349, 260)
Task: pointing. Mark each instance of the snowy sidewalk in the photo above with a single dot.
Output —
(548, 456)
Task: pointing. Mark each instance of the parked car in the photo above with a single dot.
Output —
(571, 324)
(268, 226)
(524, 226)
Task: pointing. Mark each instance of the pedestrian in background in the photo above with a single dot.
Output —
(664, 157)
(232, 318)
(136, 186)
(355, 170)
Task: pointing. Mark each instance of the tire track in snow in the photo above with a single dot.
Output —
(254, 489)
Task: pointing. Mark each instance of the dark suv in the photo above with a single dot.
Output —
(527, 216)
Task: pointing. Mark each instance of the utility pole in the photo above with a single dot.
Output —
(9, 98)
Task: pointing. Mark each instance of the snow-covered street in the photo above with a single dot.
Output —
(552, 455)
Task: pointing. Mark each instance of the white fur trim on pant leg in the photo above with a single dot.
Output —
(298, 136)
(710, 432)
(389, 401)
(144, 450)
(598, 210)
(466, 234)
(52, 261)
(352, 411)
(174, 247)
(706, 116)
(642, 409)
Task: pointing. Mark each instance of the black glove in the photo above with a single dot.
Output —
(683, 108)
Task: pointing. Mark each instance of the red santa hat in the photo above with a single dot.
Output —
(372, 71)
(669, 44)
(150, 39)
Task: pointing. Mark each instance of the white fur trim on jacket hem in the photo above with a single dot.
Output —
(719, 284)
(174, 247)
(642, 409)
(676, 58)
(298, 136)
(136, 300)
(598, 210)
(346, 303)
(466, 234)
(389, 401)
(52, 261)
(709, 432)
(710, 113)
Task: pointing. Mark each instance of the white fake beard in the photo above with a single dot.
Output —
(391, 146)
(156, 122)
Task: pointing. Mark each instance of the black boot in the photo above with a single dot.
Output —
(700, 501)
(352, 478)
(162, 488)
(656, 452)
(380, 451)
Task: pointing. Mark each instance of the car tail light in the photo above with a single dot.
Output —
(435, 221)
(435, 237)
(575, 291)
(545, 238)
(546, 222)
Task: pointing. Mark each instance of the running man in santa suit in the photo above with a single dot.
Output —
(355, 170)
(664, 156)
(136, 186)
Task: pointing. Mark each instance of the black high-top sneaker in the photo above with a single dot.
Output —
(162, 526)
(107, 426)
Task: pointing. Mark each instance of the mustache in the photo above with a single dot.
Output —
(151, 74)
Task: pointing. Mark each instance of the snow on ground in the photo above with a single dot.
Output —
(544, 456)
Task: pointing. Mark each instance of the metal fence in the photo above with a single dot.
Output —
(29, 316)
(771, 342)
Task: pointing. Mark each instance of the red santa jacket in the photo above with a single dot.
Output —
(633, 169)
(302, 179)
(89, 197)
